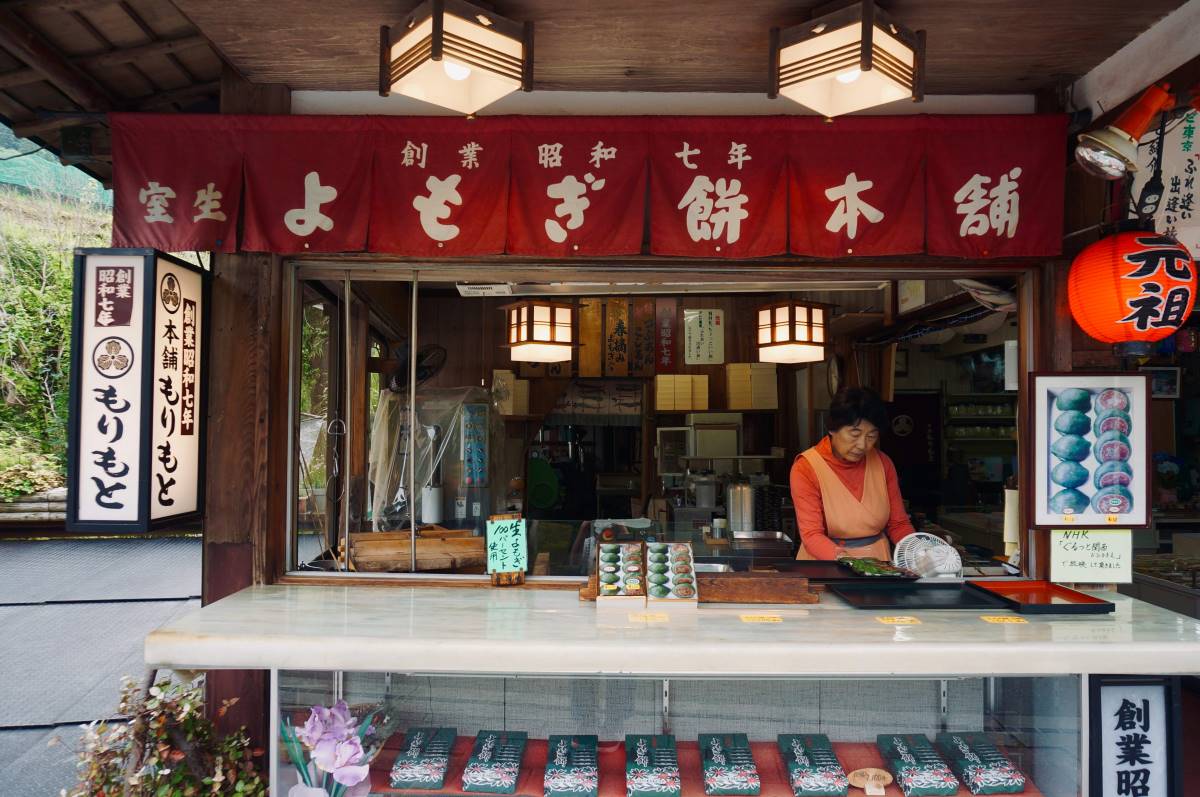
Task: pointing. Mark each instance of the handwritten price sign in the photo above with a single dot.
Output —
(507, 546)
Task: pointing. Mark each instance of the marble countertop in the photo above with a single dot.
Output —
(496, 631)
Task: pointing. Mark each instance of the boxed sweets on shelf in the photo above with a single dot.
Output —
(424, 758)
(572, 769)
(621, 570)
(495, 762)
(813, 768)
(916, 765)
(728, 765)
(651, 766)
(978, 764)
(670, 573)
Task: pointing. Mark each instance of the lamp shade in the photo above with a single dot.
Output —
(456, 55)
(1132, 287)
(1111, 152)
(539, 331)
(853, 58)
(791, 333)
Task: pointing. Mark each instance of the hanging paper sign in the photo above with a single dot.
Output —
(1100, 556)
(850, 197)
(665, 312)
(1177, 214)
(308, 190)
(703, 337)
(616, 337)
(136, 436)
(170, 202)
(507, 546)
(440, 189)
(577, 187)
(994, 186)
(1135, 736)
(641, 338)
(718, 189)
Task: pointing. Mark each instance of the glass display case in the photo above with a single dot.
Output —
(1033, 723)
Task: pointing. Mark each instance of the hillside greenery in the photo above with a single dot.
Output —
(39, 228)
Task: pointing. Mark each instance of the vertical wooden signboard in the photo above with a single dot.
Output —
(616, 337)
(591, 337)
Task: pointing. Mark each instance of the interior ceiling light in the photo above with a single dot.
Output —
(1110, 153)
(456, 55)
(539, 331)
(791, 332)
(848, 59)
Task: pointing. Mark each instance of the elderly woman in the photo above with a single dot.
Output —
(845, 490)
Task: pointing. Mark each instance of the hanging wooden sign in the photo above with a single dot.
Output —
(641, 338)
(665, 331)
(616, 337)
(591, 337)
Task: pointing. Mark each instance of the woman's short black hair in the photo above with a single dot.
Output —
(854, 404)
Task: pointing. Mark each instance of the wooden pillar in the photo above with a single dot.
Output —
(245, 498)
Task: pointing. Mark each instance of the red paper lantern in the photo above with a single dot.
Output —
(1132, 286)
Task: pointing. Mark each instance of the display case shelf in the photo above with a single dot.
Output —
(611, 759)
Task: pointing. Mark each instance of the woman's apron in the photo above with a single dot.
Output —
(858, 525)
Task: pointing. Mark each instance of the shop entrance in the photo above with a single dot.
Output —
(662, 420)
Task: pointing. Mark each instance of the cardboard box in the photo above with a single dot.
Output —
(504, 391)
(572, 768)
(521, 401)
(699, 392)
(728, 765)
(664, 392)
(495, 762)
(424, 758)
(651, 766)
(1185, 544)
(752, 386)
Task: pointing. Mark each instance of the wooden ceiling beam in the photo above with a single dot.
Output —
(23, 77)
(25, 43)
(57, 5)
(210, 88)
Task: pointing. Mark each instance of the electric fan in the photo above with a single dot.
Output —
(928, 556)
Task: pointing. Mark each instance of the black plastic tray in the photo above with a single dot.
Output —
(912, 596)
(828, 572)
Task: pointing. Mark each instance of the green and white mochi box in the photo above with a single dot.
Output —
(728, 764)
(651, 766)
(813, 768)
(979, 765)
(424, 758)
(916, 765)
(572, 769)
(495, 762)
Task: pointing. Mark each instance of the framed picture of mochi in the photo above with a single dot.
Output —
(1091, 450)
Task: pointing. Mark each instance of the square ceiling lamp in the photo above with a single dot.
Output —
(848, 59)
(456, 55)
(791, 333)
(540, 331)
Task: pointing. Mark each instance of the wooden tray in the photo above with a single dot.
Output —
(1043, 597)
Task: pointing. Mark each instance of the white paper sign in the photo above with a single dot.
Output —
(704, 337)
(1178, 211)
(175, 419)
(108, 467)
(1097, 556)
(1134, 751)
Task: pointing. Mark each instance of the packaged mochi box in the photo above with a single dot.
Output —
(813, 768)
(495, 762)
(572, 769)
(651, 766)
(424, 758)
(728, 765)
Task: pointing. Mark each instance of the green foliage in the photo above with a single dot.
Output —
(37, 235)
(167, 747)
